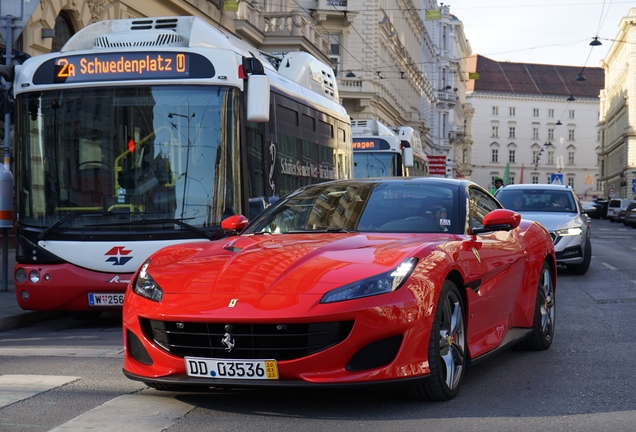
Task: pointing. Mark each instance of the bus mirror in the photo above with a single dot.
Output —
(258, 98)
(407, 154)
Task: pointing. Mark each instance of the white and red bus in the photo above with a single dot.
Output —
(146, 132)
(383, 151)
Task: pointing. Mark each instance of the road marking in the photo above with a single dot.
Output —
(147, 413)
(633, 248)
(609, 266)
(633, 281)
(61, 352)
(14, 388)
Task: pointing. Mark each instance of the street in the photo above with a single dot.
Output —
(66, 375)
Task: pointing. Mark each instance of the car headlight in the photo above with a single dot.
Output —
(572, 231)
(146, 286)
(380, 284)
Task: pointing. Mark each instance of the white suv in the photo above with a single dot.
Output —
(557, 208)
(615, 206)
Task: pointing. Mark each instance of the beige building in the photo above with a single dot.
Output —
(617, 119)
(538, 120)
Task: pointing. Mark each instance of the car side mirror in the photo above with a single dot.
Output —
(234, 224)
(498, 220)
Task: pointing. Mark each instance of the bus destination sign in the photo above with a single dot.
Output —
(370, 144)
(123, 66)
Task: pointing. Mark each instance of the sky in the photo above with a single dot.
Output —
(558, 33)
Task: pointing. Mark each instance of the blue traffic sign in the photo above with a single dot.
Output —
(556, 178)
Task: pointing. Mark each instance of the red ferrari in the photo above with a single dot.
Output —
(370, 282)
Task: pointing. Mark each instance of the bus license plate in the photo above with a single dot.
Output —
(232, 369)
(105, 300)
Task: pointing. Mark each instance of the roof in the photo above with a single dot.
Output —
(533, 79)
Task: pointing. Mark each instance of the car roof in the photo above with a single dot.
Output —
(545, 186)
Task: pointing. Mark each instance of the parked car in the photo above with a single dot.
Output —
(630, 215)
(621, 214)
(351, 282)
(615, 206)
(558, 209)
(600, 209)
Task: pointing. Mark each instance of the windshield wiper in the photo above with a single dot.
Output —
(322, 230)
(215, 234)
(69, 217)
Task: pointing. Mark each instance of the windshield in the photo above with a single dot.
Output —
(130, 155)
(363, 207)
(541, 200)
(376, 164)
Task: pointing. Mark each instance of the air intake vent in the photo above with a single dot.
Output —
(130, 39)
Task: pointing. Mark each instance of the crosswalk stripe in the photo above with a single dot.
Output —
(14, 388)
(147, 413)
(61, 352)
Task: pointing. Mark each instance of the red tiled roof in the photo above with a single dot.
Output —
(531, 78)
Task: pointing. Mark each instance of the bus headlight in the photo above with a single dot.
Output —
(146, 286)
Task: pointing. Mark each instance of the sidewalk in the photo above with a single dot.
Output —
(11, 315)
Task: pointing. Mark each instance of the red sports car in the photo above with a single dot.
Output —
(355, 282)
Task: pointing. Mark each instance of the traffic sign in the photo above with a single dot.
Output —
(556, 178)
(20, 11)
(634, 186)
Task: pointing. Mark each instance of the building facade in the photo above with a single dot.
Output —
(538, 122)
(617, 120)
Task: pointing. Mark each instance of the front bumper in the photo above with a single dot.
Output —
(375, 321)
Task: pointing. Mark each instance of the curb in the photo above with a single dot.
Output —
(26, 319)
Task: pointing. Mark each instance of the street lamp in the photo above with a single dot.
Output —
(188, 117)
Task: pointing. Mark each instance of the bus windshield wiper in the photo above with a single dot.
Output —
(211, 234)
(69, 217)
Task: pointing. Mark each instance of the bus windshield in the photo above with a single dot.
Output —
(164, 153)
(376, 164)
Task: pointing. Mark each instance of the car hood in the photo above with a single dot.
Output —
(283, 264)
(554, 221)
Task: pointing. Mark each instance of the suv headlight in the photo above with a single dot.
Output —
(572, 231)
(146, 286)
(380, 284)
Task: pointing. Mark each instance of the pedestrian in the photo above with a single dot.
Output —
(498, 183)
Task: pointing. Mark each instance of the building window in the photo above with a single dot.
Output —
(535, 133)
(535, 156)
(571, 182)
(495, 131)
(334, 42)
(512, 111)
(511, 132)
(511, 180)
(62, 32)
(511, 156)
(495, 110)
(551, 113)
(535, 112)
(535, 179)
(494, 155)
(550, 158)
(571, 134)
(599, 184)
(571, 114)
(571, 158)
(550, 133)
(464, 156)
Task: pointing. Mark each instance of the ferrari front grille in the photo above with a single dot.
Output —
(245, 341)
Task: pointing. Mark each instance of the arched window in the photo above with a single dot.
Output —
(63, 32)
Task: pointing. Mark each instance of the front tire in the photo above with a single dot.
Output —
(446, 348)
(544, 310)
(581, 269)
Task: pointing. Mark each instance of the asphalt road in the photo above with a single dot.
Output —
(584, 382)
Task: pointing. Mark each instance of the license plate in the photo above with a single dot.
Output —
(105, 300)
(232, 369)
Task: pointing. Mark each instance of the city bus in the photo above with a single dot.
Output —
(383, 151)
(141, 133)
